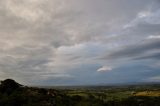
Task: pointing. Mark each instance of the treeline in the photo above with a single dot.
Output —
(14, 94)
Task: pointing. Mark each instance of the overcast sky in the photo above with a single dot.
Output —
(78, 42)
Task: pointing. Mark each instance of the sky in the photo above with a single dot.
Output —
(80, 42)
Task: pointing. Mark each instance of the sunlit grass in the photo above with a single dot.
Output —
(148, 93)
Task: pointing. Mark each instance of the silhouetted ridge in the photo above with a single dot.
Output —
(8, 86)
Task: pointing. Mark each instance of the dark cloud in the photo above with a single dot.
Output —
(146, 29)
(155, 56)
(135, 50)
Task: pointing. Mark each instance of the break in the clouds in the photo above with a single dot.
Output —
(65, 42)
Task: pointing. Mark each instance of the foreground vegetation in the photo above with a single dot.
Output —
(14, 94)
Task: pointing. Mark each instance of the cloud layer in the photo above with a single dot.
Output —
(66, 42)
